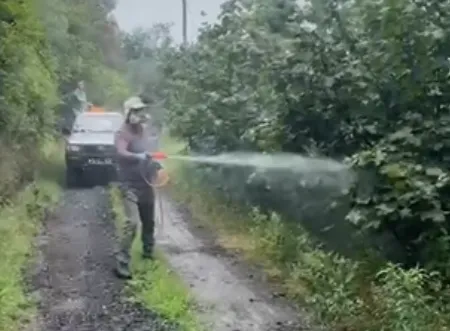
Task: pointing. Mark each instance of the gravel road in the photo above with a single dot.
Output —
(74, 285)
(76, 289)
(232, 296)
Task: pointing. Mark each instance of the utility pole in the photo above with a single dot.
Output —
(184, 3)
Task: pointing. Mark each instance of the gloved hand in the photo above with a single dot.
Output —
(154, 167)
(157, 166)
(142, 156)
(154, 172)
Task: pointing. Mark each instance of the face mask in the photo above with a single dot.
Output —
(138, 117)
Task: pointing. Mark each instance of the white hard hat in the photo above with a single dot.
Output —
(133, 103)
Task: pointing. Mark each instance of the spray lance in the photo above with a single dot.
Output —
(159, 156)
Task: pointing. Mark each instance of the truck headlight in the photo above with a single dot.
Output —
(73, 148)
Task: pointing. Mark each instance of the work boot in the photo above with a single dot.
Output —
(122, 270)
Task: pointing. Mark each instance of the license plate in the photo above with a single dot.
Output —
(100, 161)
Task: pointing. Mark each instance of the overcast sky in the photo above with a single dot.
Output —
(144, 13)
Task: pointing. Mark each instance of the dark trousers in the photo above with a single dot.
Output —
(147, 217)
(136, 213)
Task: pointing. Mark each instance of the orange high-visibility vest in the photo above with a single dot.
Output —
(95, 109)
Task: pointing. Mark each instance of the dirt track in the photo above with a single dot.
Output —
(77, 290)
(73, 280)
(231, 296)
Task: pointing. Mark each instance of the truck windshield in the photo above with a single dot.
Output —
(97, 123)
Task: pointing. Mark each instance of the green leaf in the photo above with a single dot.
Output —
(434, 172)
(394, 171)
(435, 215)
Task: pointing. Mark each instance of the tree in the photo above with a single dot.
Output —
(358, 79)
(46, 48)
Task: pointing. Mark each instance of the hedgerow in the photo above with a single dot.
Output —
(360, 81)
(46, 46)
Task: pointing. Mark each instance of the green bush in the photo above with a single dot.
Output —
(363, 80)
(365, 294)
(20, 221)
(45, 47)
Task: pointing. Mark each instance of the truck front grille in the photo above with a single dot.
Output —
(99, 149)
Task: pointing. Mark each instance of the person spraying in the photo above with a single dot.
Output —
(134, 145)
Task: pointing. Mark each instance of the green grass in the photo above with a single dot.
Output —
(154, 284)
(20, 221)
(347, 295)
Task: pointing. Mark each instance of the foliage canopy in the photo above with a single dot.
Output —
(46, 47)
(362, 80)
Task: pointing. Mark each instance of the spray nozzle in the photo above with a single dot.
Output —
(158, 156)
